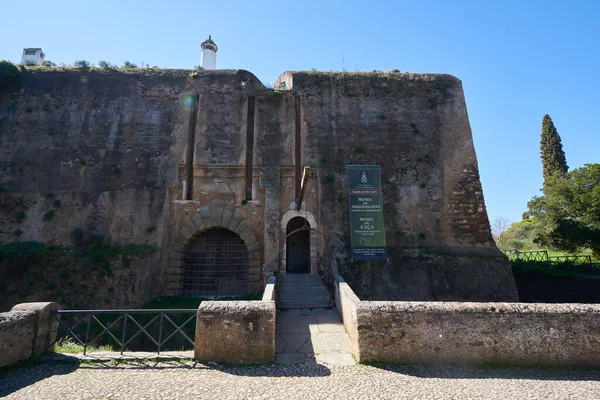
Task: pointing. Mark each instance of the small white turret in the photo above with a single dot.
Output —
(33, 56)
(208, 57)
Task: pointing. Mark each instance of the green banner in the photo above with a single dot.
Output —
(366, 213)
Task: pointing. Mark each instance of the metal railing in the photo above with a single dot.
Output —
(542, 256)
(129, 330)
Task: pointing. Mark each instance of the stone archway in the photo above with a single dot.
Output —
(314, 239)
(216, 215)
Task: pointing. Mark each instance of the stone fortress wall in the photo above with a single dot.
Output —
(129, 151)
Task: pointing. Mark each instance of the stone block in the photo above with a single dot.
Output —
(216, 215)
(235, 221)
(46, 326)
(217, 203)
(241, 228)
(185, 232)
(178, 247)
(255, 263)
(174, 286)
(235, 332)
(179, 238)
(255, 271)
(255, 278)
(174, 277)
(228, 212)
(176, 264)
(175, 271)
(198, 221)
(254, 247)
(192, 227)
(175, 255)
(246, 233)
(17, 332)
(254, 255)
(204, 211)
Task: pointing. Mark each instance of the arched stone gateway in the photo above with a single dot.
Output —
(215, 216)
(313, 239)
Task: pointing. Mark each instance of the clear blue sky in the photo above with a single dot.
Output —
(518, 60)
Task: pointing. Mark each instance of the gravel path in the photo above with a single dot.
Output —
(188, 380)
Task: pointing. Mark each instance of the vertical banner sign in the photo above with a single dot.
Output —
(366, 213)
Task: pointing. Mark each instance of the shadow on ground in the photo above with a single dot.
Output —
(270, 369)
(29, 372)
(493, 372)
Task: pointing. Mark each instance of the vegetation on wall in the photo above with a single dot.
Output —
(70, 275)
(9, 71)
(10, 75)
(82, 64)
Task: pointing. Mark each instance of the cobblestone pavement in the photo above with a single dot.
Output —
(189, 380)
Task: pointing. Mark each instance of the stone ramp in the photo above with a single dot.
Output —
(302, 291)
(309, 337)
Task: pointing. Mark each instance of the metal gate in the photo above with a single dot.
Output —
(216, 264)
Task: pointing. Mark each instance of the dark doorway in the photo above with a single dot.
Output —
(298, 246)
(216, 264)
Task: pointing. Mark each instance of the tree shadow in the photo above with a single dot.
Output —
(494, 372)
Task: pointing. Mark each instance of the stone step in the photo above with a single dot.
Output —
(302, 291)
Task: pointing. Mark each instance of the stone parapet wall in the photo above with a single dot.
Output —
(16, 336)
(237, 332)
(26, 331)
(471, 333)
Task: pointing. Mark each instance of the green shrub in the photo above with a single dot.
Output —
(9, 71)
(19, 250)
(16, 233)
(49, 216)
(57, 203)
(516, 244)
(105, 64)
(128, 64)
(20, 216)
(48, 63)
(81, 64)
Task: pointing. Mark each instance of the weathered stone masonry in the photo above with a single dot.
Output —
(115, 148)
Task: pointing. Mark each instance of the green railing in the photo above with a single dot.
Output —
(554, 261)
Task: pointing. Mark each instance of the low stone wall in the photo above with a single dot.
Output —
(471, 333)
(16, 336)
(25, 331)
(347, 303)
(237, 332)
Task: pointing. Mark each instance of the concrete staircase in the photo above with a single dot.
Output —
(302, 291)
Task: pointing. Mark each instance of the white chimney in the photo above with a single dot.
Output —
(208, 57)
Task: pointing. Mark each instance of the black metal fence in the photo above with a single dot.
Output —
(127, 330)
(565, 260)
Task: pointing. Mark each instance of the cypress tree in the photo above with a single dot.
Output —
(553, 156)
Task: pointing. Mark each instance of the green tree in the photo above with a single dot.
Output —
(569, 211)
(553, 156)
